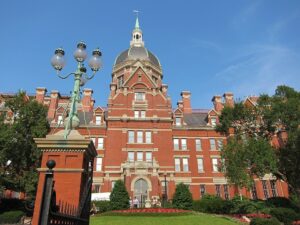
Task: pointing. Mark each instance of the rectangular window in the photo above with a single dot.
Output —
(99, 164)
(140, 137)
(136, 114)
(149, 156)
(200, 164)
(98, 120)
(96, 188)
(213, 122)
(131, 156)
(273, 188)
(226, 192)
(215, 164)
(178, 121)
(202, 190)
(120, 81)
(100, 143)
(183, 144)
(139, 96)
(254, 192)
(212, 144)
(220, 144)
(139, 156)
(60, 120)
(265, 189)
(176, 144)
(148, 137)
(130, 136)
(177, 164)
(185, 164)
(113, 184)
(143, 114)
(93, 140)
(218, 190)
(198, 145)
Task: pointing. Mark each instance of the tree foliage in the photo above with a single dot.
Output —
(19, 156)
(119, 197)
(253, 128)
(182, 198)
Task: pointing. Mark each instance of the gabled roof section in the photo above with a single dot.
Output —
(178, 112)
(212, 112)
(251, 101)
(98, 110)
(141, 77)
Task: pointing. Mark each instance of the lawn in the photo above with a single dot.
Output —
(193, 219)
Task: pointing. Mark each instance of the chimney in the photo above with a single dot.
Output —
(180, 105)
(228, 99)
(87, 101)
(164, 88)
(40, 94)
(217, 100)
(186, 99)
(54, 97)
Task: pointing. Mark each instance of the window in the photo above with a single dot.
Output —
(226, 192)
(139, 96)
(136, 114)
(139, 156)
(113, 184)
(198, 145)
(212, 144)
(100, 143)
(213, 122)
(220, 144)
(265, 189)
(177, 164)
(154, 79)
(215, 166)
(140, 137)
(99, 164)
(218, 190)
(93, 140)
(254, 192)
(98, 120)
(202, 190)
(149, 156)
(273, 188)
(200, 164)
(96, 188)
(183, 144)
(131, 156)
(185, 164)
(178, 121)
(143, 114)
(130, 136)
(148, 137)
(60, 120)
(120, 81)
(176, 144)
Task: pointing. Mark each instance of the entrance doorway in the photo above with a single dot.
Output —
(141, 191)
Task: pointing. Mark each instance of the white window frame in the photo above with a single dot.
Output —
(136, 114)
(131, 136)
(185, 164)
(99, 161)
(220, 144)
(212, 144)
(140, 137)
(143, 114)
(200, 164)
(100, 144)
(148, 156)
(139, 156)
(98, 120)
(139, 96)
(215, 164)
(148, 135)
(183, 144)
(177, 164)
(130, 156)
(176, 144)
(178, 121)
(213, 121)
(198, 145)
(60, 120)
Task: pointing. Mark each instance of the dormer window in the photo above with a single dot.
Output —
(178, 121)
(60, 119)
(98, 120)
(139, 96)
(213, 122)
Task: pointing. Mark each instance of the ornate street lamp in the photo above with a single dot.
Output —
(80, 76)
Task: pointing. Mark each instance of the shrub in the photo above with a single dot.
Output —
(9, 204)
(284, 215)
(119, 197)
(102, 206)
(212, 204)
(182, 198)
(11, 216)
(281, 202)
(262, 221)
(245, 206)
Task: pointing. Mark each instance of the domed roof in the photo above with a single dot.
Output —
(137, 52)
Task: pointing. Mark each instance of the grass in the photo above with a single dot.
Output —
(191, 219)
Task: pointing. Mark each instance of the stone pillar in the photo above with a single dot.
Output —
(73, 158)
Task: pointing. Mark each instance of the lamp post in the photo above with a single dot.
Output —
(165, 195)
(80, 77)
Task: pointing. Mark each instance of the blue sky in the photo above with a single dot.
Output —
(207, 47)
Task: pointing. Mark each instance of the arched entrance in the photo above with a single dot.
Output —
(141, 191)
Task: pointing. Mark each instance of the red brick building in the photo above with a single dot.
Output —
(142, 140)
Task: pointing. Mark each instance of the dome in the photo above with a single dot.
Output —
(137, 52)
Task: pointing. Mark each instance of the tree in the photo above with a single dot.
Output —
(19, 156)
(273, 115)
(182, 198)
(119, 197)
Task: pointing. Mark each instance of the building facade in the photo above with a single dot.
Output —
(143, 141)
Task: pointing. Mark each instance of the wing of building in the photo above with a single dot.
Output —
(143, 141)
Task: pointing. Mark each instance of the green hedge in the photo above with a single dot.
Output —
(262, 221)
(11, 216)
(285, 215)
(102, 206)
(281, 202)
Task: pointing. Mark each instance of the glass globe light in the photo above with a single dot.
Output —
(95, 61)
(80, 53)
(58, 60)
